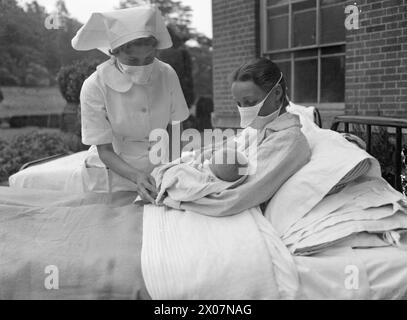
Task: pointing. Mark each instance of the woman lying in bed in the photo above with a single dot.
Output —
(271, 139)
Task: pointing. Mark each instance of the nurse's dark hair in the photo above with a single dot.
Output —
(263, 72)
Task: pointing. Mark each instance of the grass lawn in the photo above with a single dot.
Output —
(31, 101)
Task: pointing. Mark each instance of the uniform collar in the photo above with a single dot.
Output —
(110, 74)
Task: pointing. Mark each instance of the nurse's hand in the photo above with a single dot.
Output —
(146, 186)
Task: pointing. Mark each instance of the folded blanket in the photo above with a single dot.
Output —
(337, 194)
(365, 205)
(192, 256)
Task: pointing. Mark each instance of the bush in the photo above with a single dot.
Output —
(37, 76)
(70, 79)
(383, 148)
(33, 146)
(8, 79)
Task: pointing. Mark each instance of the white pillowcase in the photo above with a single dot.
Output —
(332, 157)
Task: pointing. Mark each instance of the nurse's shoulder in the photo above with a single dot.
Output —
(94, 83)
(166, 69)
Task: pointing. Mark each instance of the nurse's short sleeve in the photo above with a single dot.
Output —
(96, 128)
(179, 107)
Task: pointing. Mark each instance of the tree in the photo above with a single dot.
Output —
(20, 39)
(179, 58)
(29, 52)
(201, 55)
(177, 15)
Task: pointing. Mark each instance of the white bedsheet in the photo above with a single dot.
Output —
(53, 175)
(190, 256)
(104, 227)
(382, 273)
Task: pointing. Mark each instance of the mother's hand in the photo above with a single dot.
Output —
(146, 186)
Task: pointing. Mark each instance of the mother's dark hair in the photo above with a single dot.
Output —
(262, 72)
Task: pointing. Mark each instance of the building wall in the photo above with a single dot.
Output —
(235, 40)
(376, 60)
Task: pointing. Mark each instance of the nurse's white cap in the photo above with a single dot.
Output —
(110, 30)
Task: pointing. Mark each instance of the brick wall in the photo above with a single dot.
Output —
(235, 40)
(376, 60)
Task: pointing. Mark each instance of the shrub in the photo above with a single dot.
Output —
(70, 79)
(8, 79)
(383, 148)
(29, 147)
(37, 76)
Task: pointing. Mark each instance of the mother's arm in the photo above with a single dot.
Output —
(278, 157)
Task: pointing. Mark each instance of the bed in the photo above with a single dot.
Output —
(103, 246)
(95, 241)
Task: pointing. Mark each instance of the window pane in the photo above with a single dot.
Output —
(308, 4)
(277, 33)
(333, 50)
(332, 24)
(277, 2)
(277, 11)
(328, 2)
(306, 53)
(304, 24)
(333, 79)
(306, 80)
(280, 56)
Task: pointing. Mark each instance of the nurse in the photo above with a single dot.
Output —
(126, 98)
(280, 148)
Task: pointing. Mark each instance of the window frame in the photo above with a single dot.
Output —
(290, 51)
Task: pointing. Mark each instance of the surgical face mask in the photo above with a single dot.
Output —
(249, 114)
(259, 122)
(137, 74)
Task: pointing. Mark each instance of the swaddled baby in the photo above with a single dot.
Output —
(188, 179)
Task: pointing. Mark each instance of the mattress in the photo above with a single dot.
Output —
(95, 241)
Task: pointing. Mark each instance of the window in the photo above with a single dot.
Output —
(306, 38)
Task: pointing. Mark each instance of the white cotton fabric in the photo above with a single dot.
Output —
(110, 30)
(96, 242)
(332, 157)
(192, 256)
(274, 154)
(309, 220)
(184, 181)
(51, 175)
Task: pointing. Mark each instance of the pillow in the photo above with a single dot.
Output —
(332, 158)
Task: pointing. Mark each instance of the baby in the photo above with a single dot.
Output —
(228, 164)
(189, 179)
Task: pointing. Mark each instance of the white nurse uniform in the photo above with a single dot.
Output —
(116, 110)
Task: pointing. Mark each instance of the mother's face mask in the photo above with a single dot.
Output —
(247, 94)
